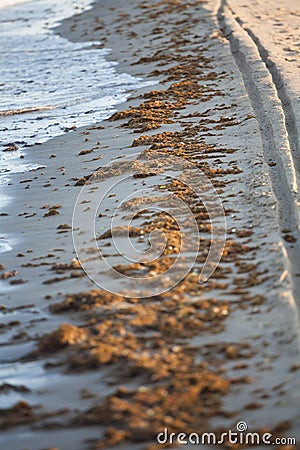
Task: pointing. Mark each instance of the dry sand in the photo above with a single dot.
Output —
(199, 357)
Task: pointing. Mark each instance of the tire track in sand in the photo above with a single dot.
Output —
(273, 110)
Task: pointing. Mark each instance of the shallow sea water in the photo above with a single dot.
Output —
(60, 84)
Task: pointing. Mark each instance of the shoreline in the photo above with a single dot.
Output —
(231, 355)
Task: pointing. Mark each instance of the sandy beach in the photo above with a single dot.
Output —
(109, 351)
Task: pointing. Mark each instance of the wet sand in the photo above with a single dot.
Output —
(88, 369)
